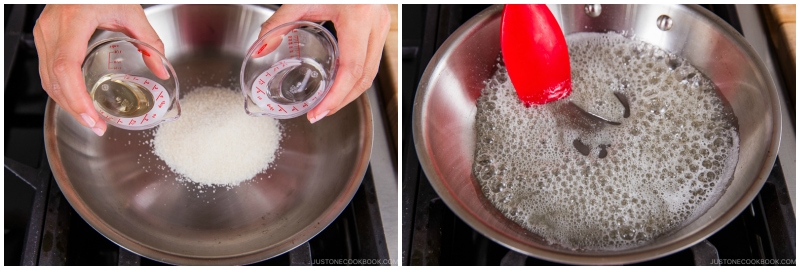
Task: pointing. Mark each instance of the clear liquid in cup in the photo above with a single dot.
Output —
(297, 83)
(121, 98)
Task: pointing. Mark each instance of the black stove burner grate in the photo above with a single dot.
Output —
(434, 235)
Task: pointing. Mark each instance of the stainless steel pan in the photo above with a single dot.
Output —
(126, 198)
(444, 113)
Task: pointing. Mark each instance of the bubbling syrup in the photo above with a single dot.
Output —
(665, 165)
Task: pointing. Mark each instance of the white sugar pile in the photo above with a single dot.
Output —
(215, 142)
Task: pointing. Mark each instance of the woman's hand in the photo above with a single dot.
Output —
(62, 34)
(361, 30)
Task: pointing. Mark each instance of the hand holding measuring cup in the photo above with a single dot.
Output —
(132, 85)
(362, 31)
(62, 33)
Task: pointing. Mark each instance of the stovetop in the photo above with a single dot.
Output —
(434, 235)
(41, 228)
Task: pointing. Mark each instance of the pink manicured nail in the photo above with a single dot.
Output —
(98, 131)
(262, 48)
(319, 116)
(89, 121)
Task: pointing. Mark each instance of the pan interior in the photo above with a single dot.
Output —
(445, 110)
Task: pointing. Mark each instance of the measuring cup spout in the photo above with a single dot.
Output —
(271, 40)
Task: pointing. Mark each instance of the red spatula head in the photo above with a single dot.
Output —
(535, 53)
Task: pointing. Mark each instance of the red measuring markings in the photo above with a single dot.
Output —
(162, 104)
(259, 98)
(160, 95)
(294, 109)
(119, 121)
(305, 104)
(281, 108)
(103, 113)
(294, 44)
(132, 122)
(261, 82)
(112, 63)
(259, 90)
(146, 81)
(144, 118)
(297, 40)
(270, 107)
(154, 87)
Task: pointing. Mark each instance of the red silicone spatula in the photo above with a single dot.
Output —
(535, 53)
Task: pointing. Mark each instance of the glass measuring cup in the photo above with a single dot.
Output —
(289, 70)
(131, 84)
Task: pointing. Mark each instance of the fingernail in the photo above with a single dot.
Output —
(98, 131)
(89, 121)
(262, 48)
(319, 116)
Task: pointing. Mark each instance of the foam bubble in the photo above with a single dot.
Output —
(664, 166)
